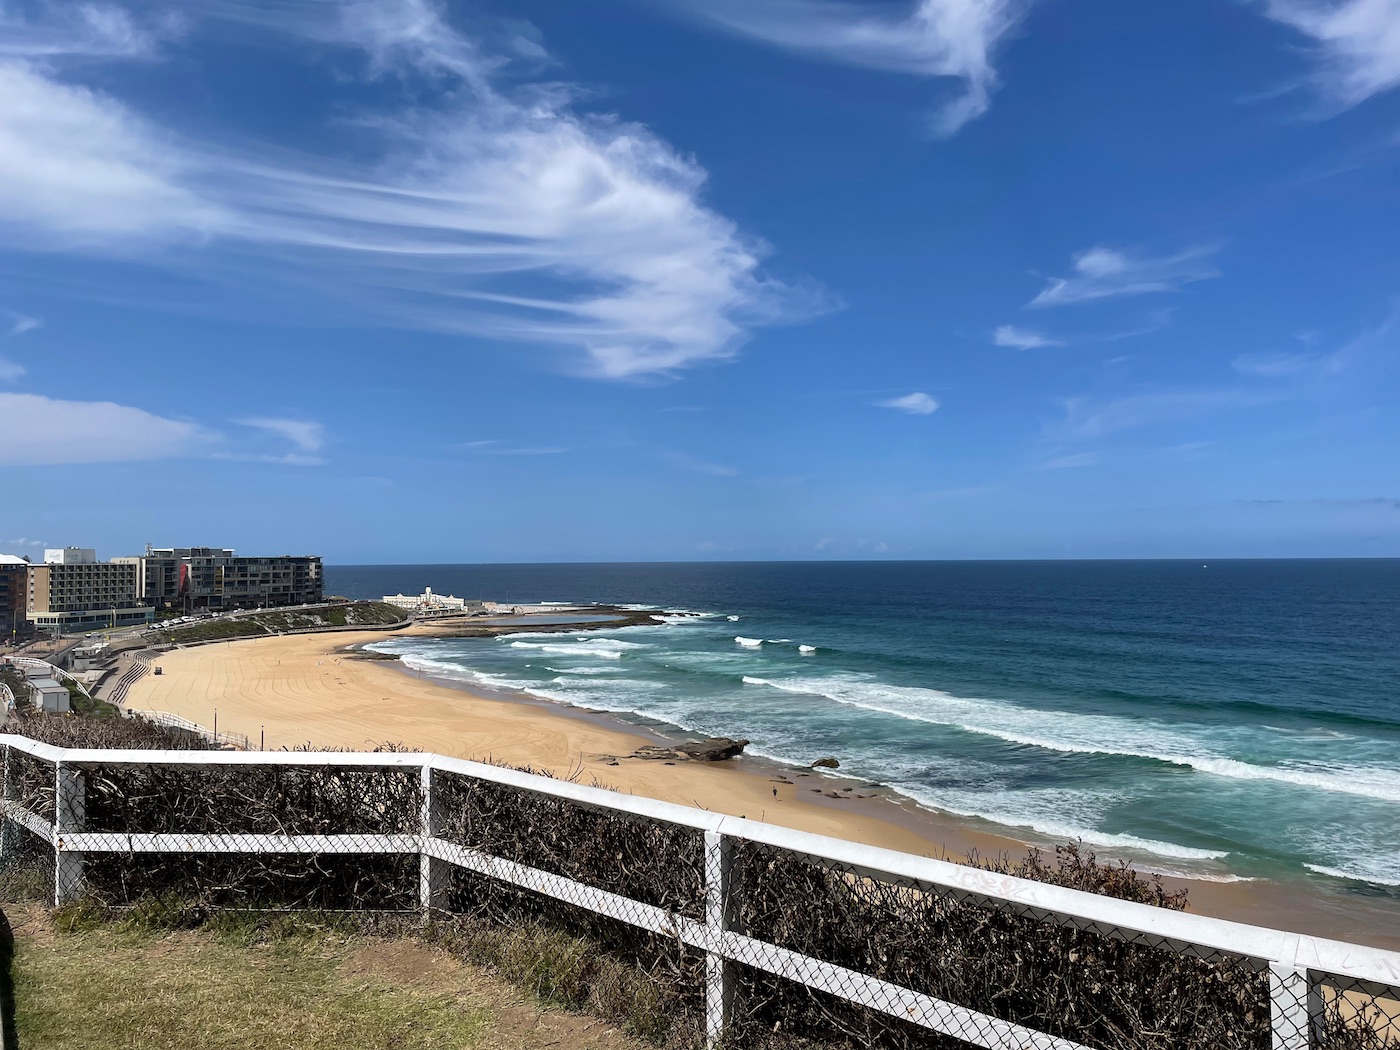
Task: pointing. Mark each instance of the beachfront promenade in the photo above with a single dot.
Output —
(992, 960)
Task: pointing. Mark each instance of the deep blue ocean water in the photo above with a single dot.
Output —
(1235, 718)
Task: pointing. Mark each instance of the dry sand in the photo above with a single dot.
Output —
(306, 689)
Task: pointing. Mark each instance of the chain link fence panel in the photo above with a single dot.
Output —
(690, 927)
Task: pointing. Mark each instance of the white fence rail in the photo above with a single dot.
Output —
(173, 721)
(1306, 976)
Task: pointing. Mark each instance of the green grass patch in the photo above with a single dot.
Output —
(356, 614)
(89, 986)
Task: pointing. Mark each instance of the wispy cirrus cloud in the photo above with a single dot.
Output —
(696, 465)
(928, 38)
(19, 323)
(495, 447)
(1273, 366)
(1072, 461)
(1088, 418)
(1018, 338)
(84, 30)
(1355, 43)
(307, 436)
(1022, 338)
(1110, 273)
(487, 208)
(916, 404)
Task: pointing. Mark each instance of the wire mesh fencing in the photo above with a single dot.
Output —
(694, 926)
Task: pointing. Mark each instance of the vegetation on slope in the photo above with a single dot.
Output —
(281, 621)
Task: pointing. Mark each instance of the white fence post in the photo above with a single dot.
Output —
(719, 971)
(70, 815)
(1291, 1007)
(432, 873)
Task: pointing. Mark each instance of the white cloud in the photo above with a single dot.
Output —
(63, 29)
(1071, 462)
(1357, 44)
(10, 371)
(284, 459)
(19, 324)
(1272, 365)
(40, 431)
(493, 447)
(686, 461)
(308, 437)
(1022, 338)
(928, 38)
(495, 211)
(916, 404)
(1086, 418)
(1105, 273)
(78, 169)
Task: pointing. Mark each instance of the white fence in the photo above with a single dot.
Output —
(1306, 976)
(173, 721)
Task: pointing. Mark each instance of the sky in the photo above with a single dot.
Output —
(399, 281)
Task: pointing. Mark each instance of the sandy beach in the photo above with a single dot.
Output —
(308, 689)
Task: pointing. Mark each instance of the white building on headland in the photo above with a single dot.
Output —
(428, 602)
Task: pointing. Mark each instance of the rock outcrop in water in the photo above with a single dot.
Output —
(826, 763)
(715, 749)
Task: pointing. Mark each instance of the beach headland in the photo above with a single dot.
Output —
(325, 690)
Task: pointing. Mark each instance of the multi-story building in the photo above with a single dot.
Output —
(71, 592)
(214, 578)
(14, 593)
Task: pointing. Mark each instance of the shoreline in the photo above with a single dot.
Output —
(324, 690)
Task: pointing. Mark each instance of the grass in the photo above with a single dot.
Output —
(569, 972)
(357, 614)
(85, 705)
(85, 985)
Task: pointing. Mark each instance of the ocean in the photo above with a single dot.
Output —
(1227, 720)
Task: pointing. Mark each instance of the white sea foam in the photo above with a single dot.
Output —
(779, 641)
(1368, 782)
(1195, 876)
(807, 649)
(732, 619)
(676, 618)
(1027, 810)
(1071, 733)
(749, 643)
(582, 670)
(749, 680)
(458, 673)
(1356, 875)
(603, 648)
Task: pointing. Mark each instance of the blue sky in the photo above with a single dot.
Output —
(398, 281)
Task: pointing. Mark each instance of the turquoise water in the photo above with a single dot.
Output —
(1232, 720)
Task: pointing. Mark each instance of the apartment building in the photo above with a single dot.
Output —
(14, 593)
(214, 579)
(73, 591)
